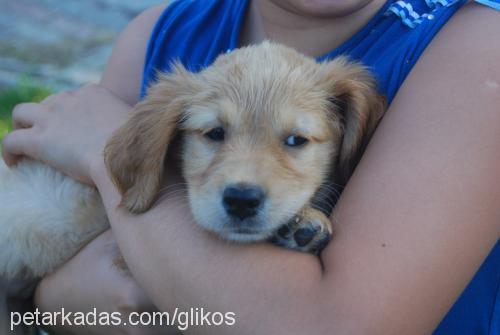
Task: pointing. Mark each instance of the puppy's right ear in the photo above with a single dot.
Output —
(135, 153)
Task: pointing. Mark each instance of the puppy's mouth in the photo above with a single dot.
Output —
(245, 231)
(245, 234)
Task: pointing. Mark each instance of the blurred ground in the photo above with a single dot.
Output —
(60, 43)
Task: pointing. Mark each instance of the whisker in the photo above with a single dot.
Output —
(171, 186)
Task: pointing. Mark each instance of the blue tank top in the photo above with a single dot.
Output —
(197, 31)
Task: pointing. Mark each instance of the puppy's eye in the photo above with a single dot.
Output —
(295, 141)
(216, 134)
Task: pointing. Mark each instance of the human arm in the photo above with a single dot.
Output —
(93, 280)
(414, 224)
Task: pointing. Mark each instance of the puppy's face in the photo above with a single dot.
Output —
(257, 146)
(263, 128)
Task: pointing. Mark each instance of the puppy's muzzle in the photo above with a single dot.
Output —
(242, 201)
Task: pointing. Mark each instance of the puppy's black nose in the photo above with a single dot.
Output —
(242, 201)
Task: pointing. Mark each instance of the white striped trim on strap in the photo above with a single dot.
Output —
(410, 17)
(490, 3)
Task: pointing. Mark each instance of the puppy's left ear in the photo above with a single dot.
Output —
(354, 97)
(135, 153)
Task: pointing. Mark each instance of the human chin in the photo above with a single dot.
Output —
(323, 8)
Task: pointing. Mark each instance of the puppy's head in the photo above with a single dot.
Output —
(262, 129)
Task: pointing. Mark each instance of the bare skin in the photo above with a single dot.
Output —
(413, 225)
(305, 26)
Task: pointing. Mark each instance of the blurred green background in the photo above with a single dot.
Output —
(51, 46)
(22, 92)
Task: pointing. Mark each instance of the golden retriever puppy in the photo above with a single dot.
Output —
(262, 129)
(265, 132)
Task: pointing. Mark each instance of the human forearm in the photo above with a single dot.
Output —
(100, 288)
(182, 266)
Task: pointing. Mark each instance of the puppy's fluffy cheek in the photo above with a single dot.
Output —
(285, 202)
(314, 164)
(289, 192)
(197, 158)
(206, 210)
(292, 188)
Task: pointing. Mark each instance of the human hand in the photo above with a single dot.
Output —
(66, 130)
(92, 280)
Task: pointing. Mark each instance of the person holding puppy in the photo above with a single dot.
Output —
(416, 228)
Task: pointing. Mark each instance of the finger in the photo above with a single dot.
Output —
(51, 99)
(25, 115)
(17, 144)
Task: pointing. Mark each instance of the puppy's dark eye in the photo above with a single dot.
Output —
(295, 141)
(216, 134)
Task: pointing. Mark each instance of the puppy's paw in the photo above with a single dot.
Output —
(309, 231)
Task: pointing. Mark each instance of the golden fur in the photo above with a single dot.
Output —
(259, 95)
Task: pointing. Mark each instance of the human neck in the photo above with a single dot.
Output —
(311, 35)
